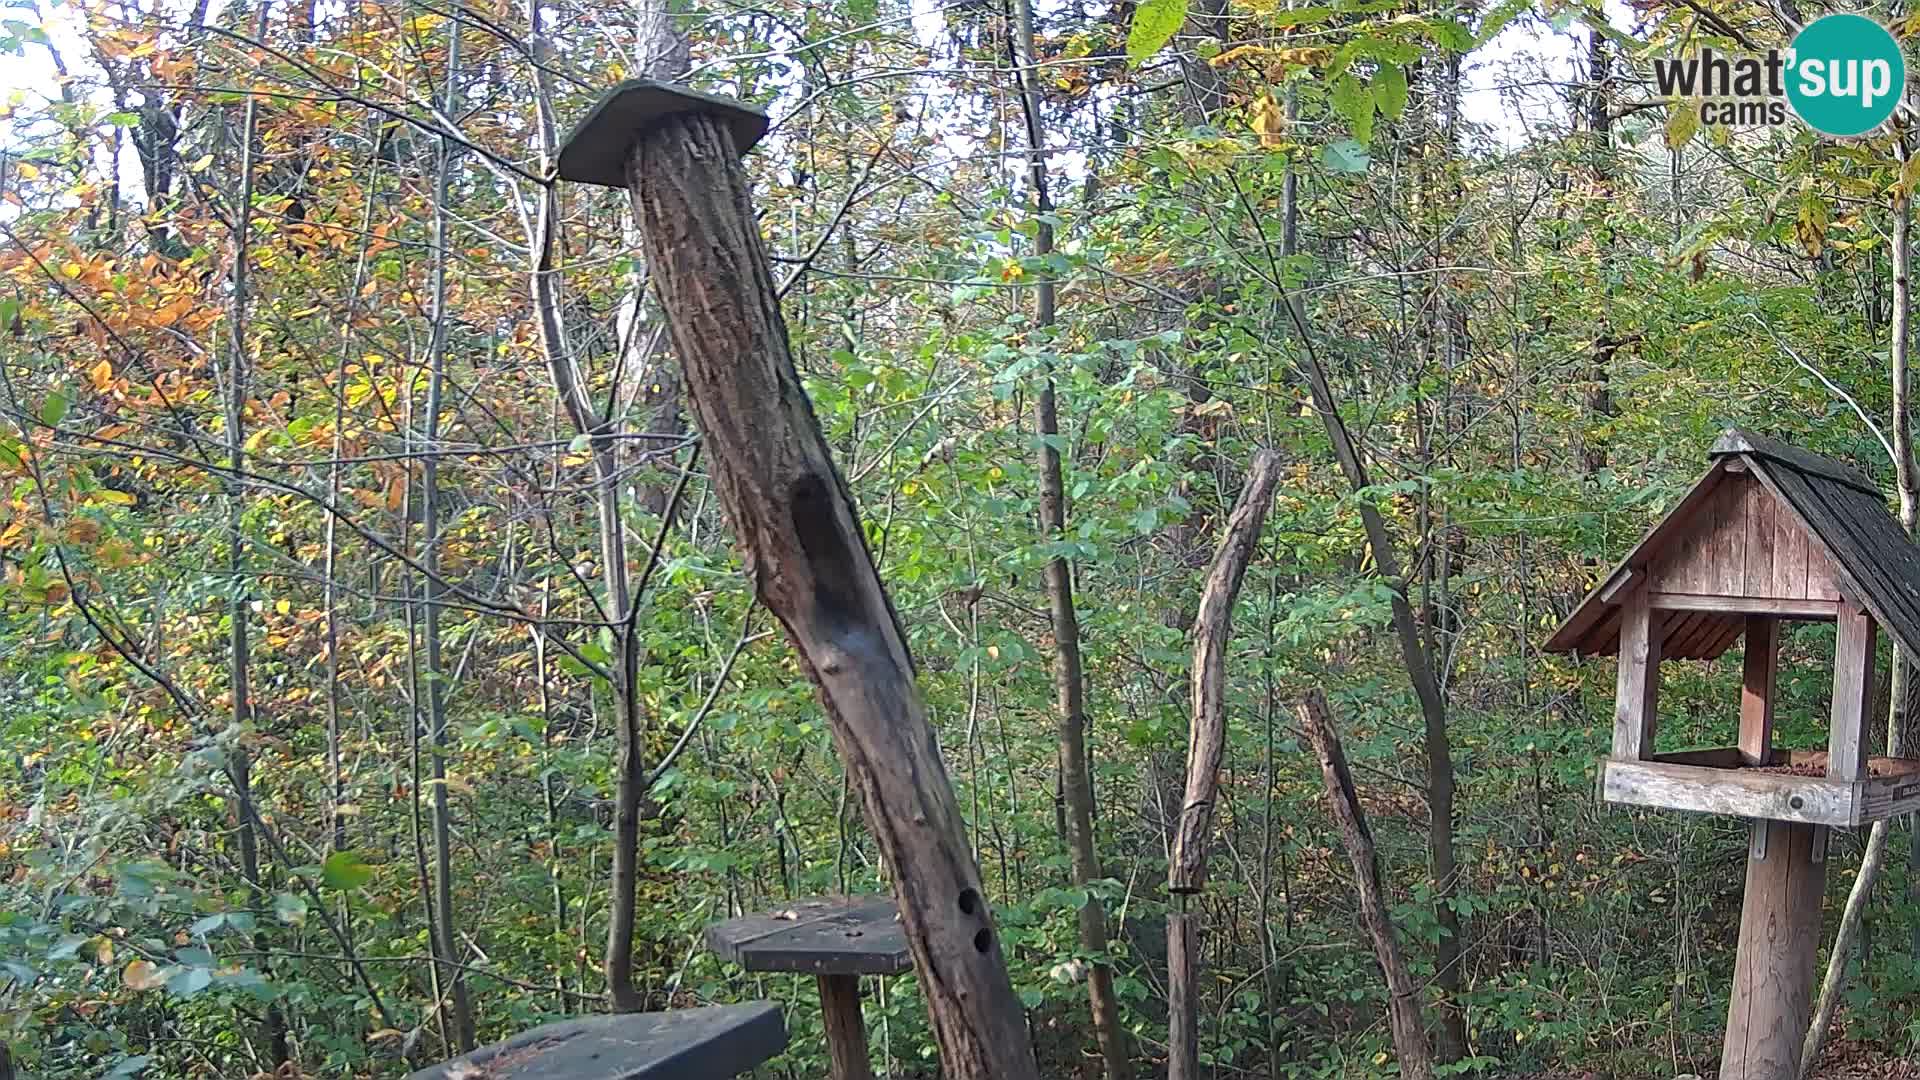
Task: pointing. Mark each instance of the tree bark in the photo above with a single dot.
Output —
(1187, 868)
(1403, 994)
(1187, 871)
(1076, 775)
(807, 555)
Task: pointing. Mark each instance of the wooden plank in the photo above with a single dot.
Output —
(1758, 580)
(1772, 997)
(1731, 630)
(1730, 540)
(1786, 607)
(1853, 661)
(1718, 757)
(1693, 642)
(682, 1044)
(1823, 583)
(1789, 552)
(1758, 674)
(1637, 689)
(1815, 800)
(1893, 790)
(821, 935)
(847, 1056)
(1626, 578)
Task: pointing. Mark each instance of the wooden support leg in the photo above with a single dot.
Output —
(846, 1028)
(1636, 701)
(1853, 662)
(1183, 996)
(1772, 997)
(1756, 695)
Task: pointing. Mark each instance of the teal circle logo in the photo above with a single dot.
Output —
(1845, 75)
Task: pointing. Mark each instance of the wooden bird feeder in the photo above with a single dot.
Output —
(1771, 534)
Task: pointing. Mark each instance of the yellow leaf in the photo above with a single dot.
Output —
(201, 165)
(27, 170)
(108, 495)
(102, 375)
(1682, 123)
(142, 975)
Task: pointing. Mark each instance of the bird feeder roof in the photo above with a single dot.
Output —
(1770, 529)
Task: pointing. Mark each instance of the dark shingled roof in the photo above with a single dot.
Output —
(1843, 513)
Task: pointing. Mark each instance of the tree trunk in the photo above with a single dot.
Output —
(807, 555)
(1403, 994)
(273, 1028)
(1187, 868)
(452, 976)
(1076, 776)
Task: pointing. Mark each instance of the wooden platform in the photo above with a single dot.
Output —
(681, 1044)
(1718, 781)
(845, 935)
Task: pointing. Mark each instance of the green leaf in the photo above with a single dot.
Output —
(1350, 99)
(208, 925)
(1390, 90)
(129, 1066)
(343, 870)
(54, 409)
(1345, 155)
(1154, 24)
(290, 909)
(190, 981)
(123, 119)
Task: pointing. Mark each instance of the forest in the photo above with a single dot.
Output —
(394, 658)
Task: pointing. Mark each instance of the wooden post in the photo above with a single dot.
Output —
(1852, 687)
(1772, 997)
(801, 539)
(1637, 695)
(1405, 1018)
(1756, 693)
(846, 1028)
(1206, 742)
(1183, 995)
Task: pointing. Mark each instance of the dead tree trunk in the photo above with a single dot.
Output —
(1187, 869)
(1403, 994)
(801, 539)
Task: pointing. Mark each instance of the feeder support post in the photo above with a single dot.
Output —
(801, 539)
(1773, 970)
